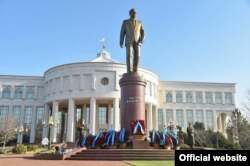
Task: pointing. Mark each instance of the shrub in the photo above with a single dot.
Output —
(184, 146)
(31, 148)
(19, 149)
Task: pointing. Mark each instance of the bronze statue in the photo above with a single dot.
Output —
(133, 32)
(190, 135)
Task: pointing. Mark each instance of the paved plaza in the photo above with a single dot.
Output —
(28, 160)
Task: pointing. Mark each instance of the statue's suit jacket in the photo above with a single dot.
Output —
(133, 30)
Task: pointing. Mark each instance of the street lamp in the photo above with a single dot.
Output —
(50, 125)
(20, 130)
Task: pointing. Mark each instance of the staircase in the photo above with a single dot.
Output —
(123, 154)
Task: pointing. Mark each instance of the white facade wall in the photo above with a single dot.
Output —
(66, 88)
(219, 110)
(24, 82)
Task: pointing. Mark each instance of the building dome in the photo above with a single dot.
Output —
(103, 56)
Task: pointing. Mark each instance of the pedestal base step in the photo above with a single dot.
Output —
(139, 144)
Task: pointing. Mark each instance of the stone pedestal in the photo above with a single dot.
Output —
(132, 99)
(139, 144)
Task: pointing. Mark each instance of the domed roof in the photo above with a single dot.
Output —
(103, 56)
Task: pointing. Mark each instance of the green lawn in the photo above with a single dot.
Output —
(150, 162)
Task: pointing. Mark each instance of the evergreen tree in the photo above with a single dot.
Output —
(238, 130)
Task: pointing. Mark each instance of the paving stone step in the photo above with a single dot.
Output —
(120, 158)
(123, 154)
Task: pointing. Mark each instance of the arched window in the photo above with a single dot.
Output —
(30, 93)
(178, 98)
(189, 98)
(169, 97)
(18, 93)
(6, 93)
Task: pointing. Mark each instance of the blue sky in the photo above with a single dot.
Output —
(186, 40)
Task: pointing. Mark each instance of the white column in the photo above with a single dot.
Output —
(46, 119)
(97, 125)
(20, 136)
(184, 97)
(116, 114)
(205, 119)
(117, 78)
(33, 126)
(84, 112)
(155, 118)
(233, 99)
(71, 122)
(92, 126)
(149, 117)
(203, 97)
(213, 97)
(93, 82)
(110, 123)
(164, 114)
(36, 92)
(55, 107)
(220, 123)
(215, 120)
(24, 92)
(185, 124)
(12, 92)
(194, 97)
(174, 96)
(223, 98)
(174, 116)
(194, 116)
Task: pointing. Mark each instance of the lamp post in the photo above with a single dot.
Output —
(20, 130)
(50, 124)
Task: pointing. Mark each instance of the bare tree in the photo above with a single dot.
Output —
(7, 131)
(246, 104)
(199, 129)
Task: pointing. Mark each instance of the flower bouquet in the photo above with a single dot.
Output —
(110, 138)
(99, 140)
(155, 138)
(122, 138)
(166, 139)
(138, 129)
(87, 140)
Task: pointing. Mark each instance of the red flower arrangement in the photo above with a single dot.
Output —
(140, 130)
(168, 140)
(100, 140)
(89, 140)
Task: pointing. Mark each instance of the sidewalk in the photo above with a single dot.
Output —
(28, 160)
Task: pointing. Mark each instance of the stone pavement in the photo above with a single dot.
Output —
(28, 160)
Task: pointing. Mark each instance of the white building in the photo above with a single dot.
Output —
(89, 93)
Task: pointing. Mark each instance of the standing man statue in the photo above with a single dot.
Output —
(133, 32)
(190, 135)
